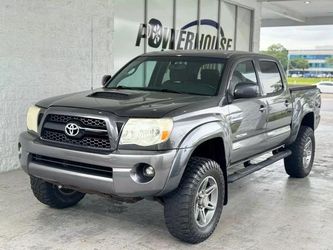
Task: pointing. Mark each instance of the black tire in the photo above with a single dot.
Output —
(51, 195)
(294, 164)
(180, 205)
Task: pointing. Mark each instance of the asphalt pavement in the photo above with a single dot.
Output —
(327, 102)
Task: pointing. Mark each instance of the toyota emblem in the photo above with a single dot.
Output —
(72, 129)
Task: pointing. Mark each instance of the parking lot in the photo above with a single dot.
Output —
(265, 210)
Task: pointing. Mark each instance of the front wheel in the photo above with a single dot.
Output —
(53, 195)
(193, 210)
(299, 163)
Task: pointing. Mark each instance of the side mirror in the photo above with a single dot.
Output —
(105, 79)
(246, 90)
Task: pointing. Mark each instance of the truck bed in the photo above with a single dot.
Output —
(301, 87)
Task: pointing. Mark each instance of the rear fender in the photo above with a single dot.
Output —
(303, 106)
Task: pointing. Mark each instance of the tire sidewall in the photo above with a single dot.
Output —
(49, 194)
(294, 165)
(66, 199)
(179, 205)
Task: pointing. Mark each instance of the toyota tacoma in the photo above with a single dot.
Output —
(173, 126)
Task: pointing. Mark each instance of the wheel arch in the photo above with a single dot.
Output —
(214, 149)
(308, 119)
(215, 135)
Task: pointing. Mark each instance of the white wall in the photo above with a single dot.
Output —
(45, 49)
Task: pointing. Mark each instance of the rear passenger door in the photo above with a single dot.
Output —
(247, 116)
(278, 101)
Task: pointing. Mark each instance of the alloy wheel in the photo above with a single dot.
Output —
(206, 201)
(307, 153)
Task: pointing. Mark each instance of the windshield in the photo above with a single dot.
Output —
(186, 75)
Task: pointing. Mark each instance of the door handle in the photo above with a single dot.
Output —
(286, 103)
(262, 108)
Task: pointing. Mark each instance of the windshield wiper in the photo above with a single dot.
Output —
(148, 89)
(157, 90)
(125, 87)
(168, 91)
(177, 92)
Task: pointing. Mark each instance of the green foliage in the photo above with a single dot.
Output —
(299, 63)
(329, 60)
(305, 81)
(279, 52)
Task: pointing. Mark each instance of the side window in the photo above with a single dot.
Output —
(270, 77)
(244, 72)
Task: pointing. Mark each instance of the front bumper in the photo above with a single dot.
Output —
(123, 163)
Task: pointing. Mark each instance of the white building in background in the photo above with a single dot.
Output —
(49, 48)
(317, 59)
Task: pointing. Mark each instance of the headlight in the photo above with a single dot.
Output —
(146, 132)
(32, 118)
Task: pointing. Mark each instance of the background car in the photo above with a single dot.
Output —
(325, 87)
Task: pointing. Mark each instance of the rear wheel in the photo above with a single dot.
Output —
(193, 210)
(299, 163)
(53, 195)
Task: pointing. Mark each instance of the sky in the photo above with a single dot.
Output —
(298, 37)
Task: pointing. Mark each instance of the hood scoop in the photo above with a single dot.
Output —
(111, 95)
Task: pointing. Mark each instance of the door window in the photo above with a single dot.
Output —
(270, 77)
(244, 72)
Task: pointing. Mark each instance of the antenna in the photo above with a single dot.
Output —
(92, 53)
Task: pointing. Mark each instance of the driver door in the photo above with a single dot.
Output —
(247, 116)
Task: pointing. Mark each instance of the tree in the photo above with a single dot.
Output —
(329, 60)
(299, 63)
(279, 52)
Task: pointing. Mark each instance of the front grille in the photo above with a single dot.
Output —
(90, 142)
(88, 122)
(93, 134)
(73, 166)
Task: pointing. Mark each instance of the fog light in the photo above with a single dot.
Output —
(149, 171)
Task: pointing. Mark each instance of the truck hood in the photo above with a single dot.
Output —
(125, 103)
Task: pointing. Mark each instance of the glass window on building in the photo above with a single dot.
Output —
(208, 38)
(125, 29)
(153, 25)
(243, 36)
(186, 22)
(159, 17)
(227, 22)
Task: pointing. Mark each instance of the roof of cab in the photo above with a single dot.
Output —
(206, 53)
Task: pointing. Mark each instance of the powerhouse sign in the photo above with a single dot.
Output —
(183, 39)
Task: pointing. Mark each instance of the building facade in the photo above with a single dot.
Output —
(317, 59)
(184, 24)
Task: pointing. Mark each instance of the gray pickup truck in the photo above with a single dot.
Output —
(173, 127)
